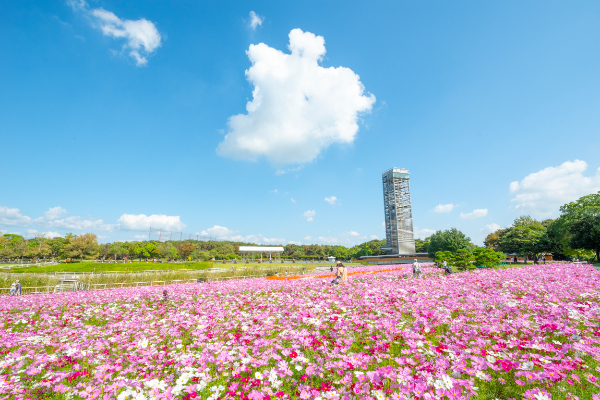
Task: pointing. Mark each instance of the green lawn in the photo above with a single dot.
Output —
(102, 267)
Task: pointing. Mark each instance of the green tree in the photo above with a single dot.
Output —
(140, 250)
(151, 249)
(440, 256)
(559, 231)
(6, 250)
(487, 257)
(420, 245)
(462, 259)
(119, 249)
(167, 250)
(57, 245)
(85, 245)
(187, 248)
(449, 240)
(586, 234)
(527, 237)
(340, 253)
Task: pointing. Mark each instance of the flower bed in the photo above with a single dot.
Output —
(530, 332)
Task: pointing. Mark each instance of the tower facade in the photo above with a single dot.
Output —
(399, 234)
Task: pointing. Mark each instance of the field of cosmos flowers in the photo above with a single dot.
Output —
(518, 333)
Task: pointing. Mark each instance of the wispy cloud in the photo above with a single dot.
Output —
(331, 200)
(444, 208)
(309, 215)
(141, 38)
(255, 20)
(482, 212)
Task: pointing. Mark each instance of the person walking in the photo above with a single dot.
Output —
(13, 289)
(416, 269)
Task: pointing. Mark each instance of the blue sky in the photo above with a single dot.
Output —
(117, 116)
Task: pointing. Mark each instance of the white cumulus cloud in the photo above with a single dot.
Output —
(51, 235)
(309, 215)
(308, 238)
(353, 233)
(475, 214)
(492, 227)
(54, 213)
(331, 200)
(423, 233)
(141, 38)
(218, 232)
(78, 223)
(374, 237)
(13, 217)
(298, 108)
(543, 192)
(142, 222)
(255, 20)
(444, 208)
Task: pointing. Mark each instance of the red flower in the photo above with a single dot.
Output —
(304, 377)
(293, 354)
(279, 394)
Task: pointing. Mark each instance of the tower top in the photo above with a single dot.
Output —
(396, 173)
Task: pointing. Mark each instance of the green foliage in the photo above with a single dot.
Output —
(487, 257)
(440, 256)
(421, 245)
(462, 259)
(527, 237)
(84, 245)
(586, 234)
(449, 240)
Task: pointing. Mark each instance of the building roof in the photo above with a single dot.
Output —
(261, 249)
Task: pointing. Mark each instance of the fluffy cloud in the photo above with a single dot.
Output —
(492, 227)
(353, 233)
(54, 213)
(545, 191)
(255, 20)
(423, 233)
(299, 108)
(142, 222)
(141, 36)
(308, 238)
(309, 215)
(444, 208)
(78, 223)
(13, 217)
(331, 200)
(217, 231)
(51, 235)
(480, 212)
(374, 237)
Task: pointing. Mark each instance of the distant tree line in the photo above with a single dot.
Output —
(86, 246)
(574, 234)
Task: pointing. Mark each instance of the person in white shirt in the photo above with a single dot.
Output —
(416, 269)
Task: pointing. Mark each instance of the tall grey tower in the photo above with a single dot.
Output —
(399, 234)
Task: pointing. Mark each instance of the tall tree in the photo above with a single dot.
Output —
(527, 237)
(85, 245)
(185, 249)
(449, 240)
(586, 234)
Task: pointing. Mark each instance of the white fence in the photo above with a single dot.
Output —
(42, 264)
(101, 286)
